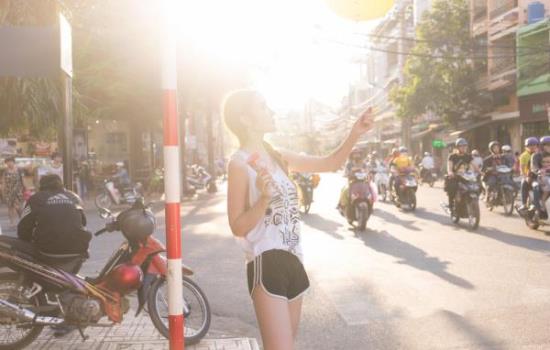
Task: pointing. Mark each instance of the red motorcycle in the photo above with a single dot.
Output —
(36, 294)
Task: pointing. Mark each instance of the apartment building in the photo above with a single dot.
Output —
(494, 26)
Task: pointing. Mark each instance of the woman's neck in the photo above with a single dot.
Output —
(255, 144)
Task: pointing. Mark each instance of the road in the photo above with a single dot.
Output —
(412, 281)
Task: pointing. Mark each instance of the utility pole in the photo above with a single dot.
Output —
(406, 121)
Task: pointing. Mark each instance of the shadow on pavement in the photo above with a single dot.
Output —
(408, 254)
(320, 223)
(530, 243)
(394, 219)
(478, 335)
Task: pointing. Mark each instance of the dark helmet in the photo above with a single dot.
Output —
(137, 223)
(461, 142)
(493, 144)
(531, 141)
(545, 140)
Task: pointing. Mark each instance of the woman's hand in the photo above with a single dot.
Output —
(264, 183)
(364, 123)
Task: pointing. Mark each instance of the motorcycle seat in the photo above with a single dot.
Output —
(18, 245)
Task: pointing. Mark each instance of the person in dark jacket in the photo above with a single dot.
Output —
(54, 221)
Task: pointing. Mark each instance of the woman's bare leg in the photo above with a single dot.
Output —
(295, 307)
(273, 316)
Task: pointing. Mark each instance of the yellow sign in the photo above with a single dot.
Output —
(360, 10)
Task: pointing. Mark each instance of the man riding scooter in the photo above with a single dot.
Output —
(531, 147)
(490, 165)
(427, 165)
(458, 161)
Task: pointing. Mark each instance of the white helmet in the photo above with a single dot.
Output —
(506, 148)
(119, 164)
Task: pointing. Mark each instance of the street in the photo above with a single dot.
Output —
(412, 281)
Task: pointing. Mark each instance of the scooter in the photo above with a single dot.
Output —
(382, 181)
(200, 179)
(505, 191)
(466, 201)
(36, 294)
(306, 183)
(429, 176)
(361, 200)
(533, 218)
(405, 197)
(111, 196)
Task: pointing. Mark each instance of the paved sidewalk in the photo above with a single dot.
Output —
(133, 334)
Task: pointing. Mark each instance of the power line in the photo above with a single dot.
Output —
(416, 40)
(451, 57)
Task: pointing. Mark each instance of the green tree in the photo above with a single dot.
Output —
(440, 74)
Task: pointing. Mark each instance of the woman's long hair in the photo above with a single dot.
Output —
(237, 105)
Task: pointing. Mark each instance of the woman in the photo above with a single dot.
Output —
(13, 190)
(263, 213)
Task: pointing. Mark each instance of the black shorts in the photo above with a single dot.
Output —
(279, 272)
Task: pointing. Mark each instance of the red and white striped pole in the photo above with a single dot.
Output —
(172, 176)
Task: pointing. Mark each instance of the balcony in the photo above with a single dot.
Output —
(502, 7)
(480, 14)
(502, 73)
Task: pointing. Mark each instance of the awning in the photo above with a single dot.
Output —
(471, 127)
(431, 128)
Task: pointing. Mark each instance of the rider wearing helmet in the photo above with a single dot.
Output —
(508, 156)
(459, 160)
(489, 166)
(356, 162)
(531, 146)
(427, 164)
(399, 165)
(540, 164)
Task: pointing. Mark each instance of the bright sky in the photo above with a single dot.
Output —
(283, 41)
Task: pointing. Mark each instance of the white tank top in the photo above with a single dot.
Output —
(281, 224)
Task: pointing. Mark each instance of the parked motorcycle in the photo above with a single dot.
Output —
(306, 183)
(361, 200)
(505, 191)
(382, 181)
(111, 195)
(466, 201)
(405, 197)
(37, 294)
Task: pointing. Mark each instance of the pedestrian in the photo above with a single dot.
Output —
(55, 167)
(263, 213)
(13, 190)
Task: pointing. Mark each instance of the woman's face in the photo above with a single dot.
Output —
(261, 117)
(462, 149)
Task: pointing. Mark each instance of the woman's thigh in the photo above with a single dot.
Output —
(295, 308)
(275, 322)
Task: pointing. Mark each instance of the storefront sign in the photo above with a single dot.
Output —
(534, 107)
(437, 144)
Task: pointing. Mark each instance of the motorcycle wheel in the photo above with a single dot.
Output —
(383, 192)
(103, 200)
(212, 188)
(412, 201)
(196, 309)
(474, 215)
(14, 337)
(361, 216)
(432, 182)
(307, 207)
(456, 217)
(508, 201)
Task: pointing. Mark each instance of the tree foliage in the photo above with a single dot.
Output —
(440, 76)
